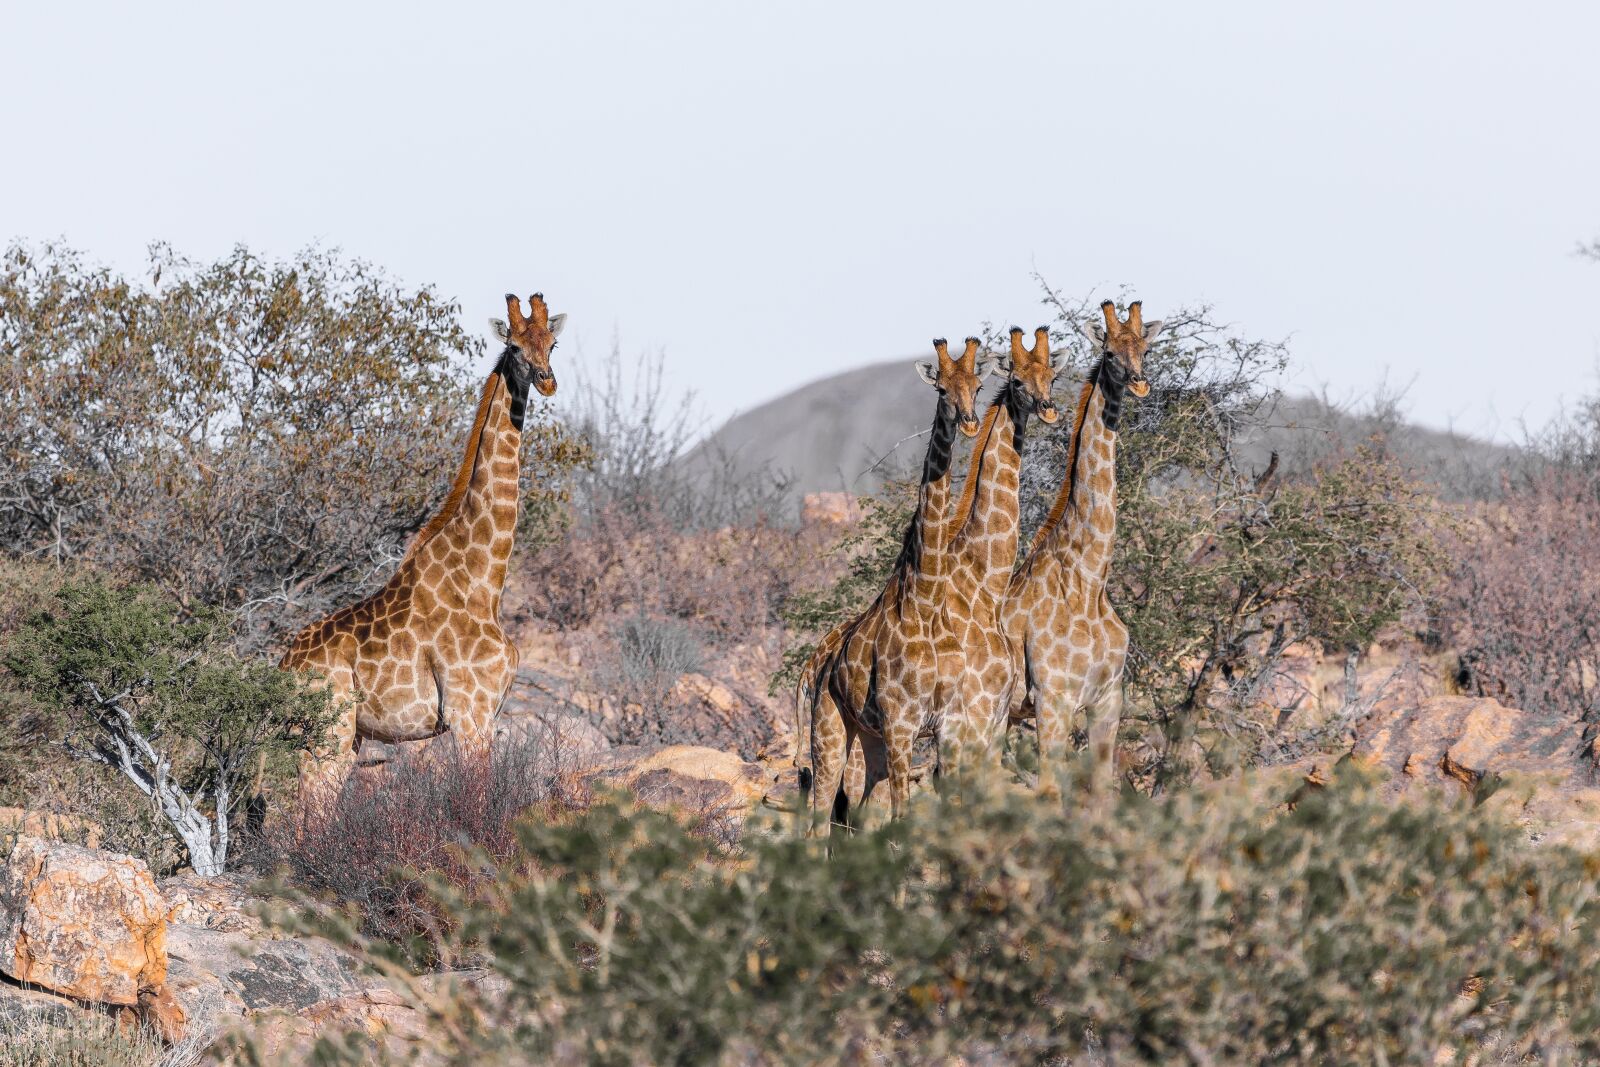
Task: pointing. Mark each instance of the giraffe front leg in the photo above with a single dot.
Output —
(1055, 713)
(324, 766)
(471, 699)
(1105, 722)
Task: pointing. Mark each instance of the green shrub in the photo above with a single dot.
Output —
(126, 679)
(1187, 929)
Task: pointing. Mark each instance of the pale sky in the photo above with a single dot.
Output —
(770, 193)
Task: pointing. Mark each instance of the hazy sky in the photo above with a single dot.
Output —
(773, 192)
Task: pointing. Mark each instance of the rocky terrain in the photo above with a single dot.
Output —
(87, 931)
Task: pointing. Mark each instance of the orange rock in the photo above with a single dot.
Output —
(833, 509)
(88, 924)
(51, 826)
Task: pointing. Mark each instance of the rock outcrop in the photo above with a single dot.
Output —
(86, 924)
(689, 778)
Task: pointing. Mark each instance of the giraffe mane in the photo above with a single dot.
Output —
(969, 488)
(458, 488)
(1064, 494)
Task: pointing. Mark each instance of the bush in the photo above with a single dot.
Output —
(1523, 603)
(257, 436)
(123, 678)
(439, 813)
(653, 654)
(87, 1040)
(1188, 929)
(653, 535)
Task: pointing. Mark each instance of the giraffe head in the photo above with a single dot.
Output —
(1034, 370)
(529, 340)
(1123, 344)
(958, 380)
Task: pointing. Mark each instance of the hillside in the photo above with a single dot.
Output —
(849, 431)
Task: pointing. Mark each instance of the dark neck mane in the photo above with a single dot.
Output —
(507, 371)
(1104, 377)
(935, 465)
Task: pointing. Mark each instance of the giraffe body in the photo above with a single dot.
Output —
(873, 684)
(1070, 645)
(426, 653)
(982, 668)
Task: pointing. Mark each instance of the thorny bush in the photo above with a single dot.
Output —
(1184, 929)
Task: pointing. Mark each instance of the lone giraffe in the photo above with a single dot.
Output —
(1070, 646)
(981, 669)
(873, 679)
(425, 653)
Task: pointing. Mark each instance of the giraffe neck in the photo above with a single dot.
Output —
(1082, 526)
(475, 530)
(924, 551)
(989, 511)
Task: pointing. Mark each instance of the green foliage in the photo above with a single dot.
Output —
(1190, 929)
(259, 436)
(135, 683)
(869, 549)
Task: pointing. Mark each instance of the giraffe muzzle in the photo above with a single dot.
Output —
(969, 425)
(1047, 411)
(545, 382)
(1139, 386)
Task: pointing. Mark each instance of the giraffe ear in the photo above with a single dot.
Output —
(1095, 331)
(927, 372)
(1001, 364)
(501, 331)
(1152, 330)
(986, 365)
(1058, 358)
(556, 323)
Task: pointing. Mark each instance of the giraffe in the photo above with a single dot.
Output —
(1069, 644)
(983, 675)
(425, 653)
(871, 678)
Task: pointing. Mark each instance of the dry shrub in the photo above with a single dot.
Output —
(1524, 597)
(730, 580)
(434, 813)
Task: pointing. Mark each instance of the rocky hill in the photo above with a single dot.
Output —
(850, 431)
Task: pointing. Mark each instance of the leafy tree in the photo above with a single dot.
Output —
(156, 694)
(254, 435)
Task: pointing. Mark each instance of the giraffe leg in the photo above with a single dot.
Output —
(855, 771)
(1055, 715)
(961, 733)
(874, 769)
(325, 766)
(1105, 719)
(829, 746)
(472, 700)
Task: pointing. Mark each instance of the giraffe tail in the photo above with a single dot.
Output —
(804, 697)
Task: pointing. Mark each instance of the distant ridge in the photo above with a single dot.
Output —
(842, 433)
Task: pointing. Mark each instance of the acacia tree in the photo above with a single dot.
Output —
(157, 695)
(259, 436)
